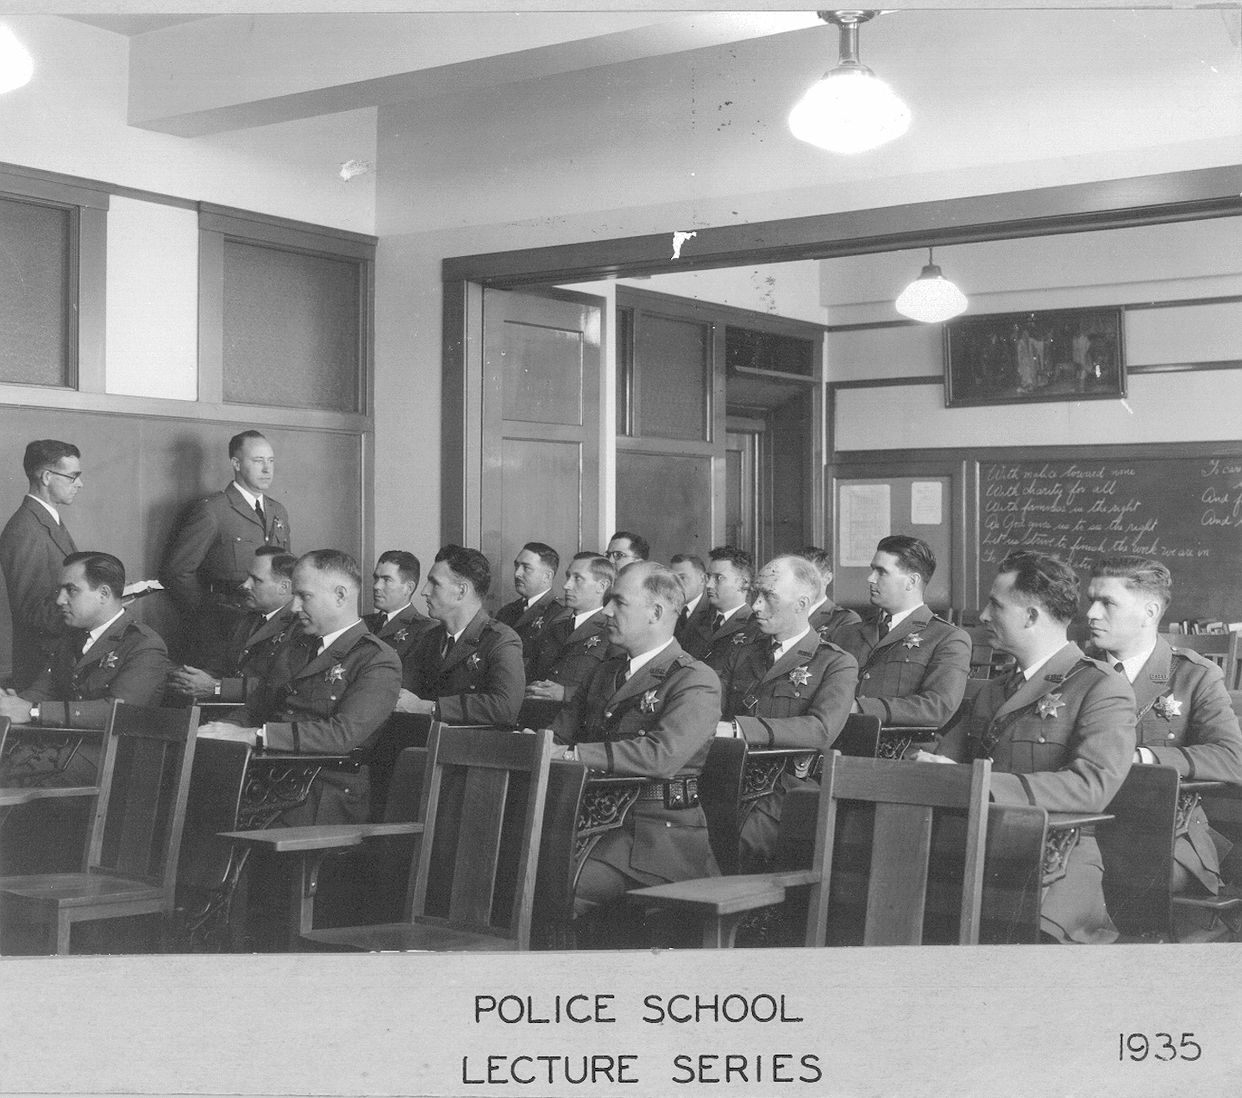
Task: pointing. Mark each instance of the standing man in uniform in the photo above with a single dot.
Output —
(535, 608)
(694, 624)
(33, 548)
(912, 665)
(268, 625)
(573, 645)
(827, 618)
(469, 669)
(1185, 718)
(327, 694)
(787, 689)
(1059, 730)
(396, 621)
(651, 714)
(211, 554)
(730, 573)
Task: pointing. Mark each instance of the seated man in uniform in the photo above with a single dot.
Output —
(1185, 719)
(535, 608)
(469, 669)
(1059, 730)
(393, 585)
(912, 665)
(625, 548)
(326, 693)
(106, 655)
(694, 624)
(827, 618)
(573, 645)
(268, 626)
(730, 573)
(786, 689)
(649, 714)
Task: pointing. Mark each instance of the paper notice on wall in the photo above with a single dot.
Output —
(926, 503)
(865, 518)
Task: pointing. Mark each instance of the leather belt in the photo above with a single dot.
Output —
(676, 793)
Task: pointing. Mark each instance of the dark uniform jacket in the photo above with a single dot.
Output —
(657, 725)
(567, 656)
(800, 701)
(530, 625)
(128, 663)
(403, 632)
(1064, 741)
(479, 681)
(252, 651)
(829, 618)
(33, 548)
(209, 560)
(740, 629)
(1186, 720)
(694, 634)
(916, 675)
(330, 703)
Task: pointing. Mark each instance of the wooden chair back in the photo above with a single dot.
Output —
(398, 732)
(554, 879)
(905, 797)
(4, 738)
(144, 782)
(1137, 849)
(482, 807)
(720, 794)
(860, 737)
(1220, 648)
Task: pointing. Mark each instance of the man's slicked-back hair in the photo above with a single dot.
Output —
(661, 584)
(821, 558)
(638, 544)
(283, 563)
(914, 555)
(100, 568)
(689, 558)
(408, 566)
(1142, 574)
(743, 563)
(43, 453)
(545, 553)
(602, 569)
(335, 561)
(806, 576)
(239, 440)
(468, 564)
(1046, 580)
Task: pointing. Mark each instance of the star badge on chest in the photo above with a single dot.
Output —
(823, 632)
(335, 673)
(591, 642)
(110, 661)
(1168, 707)
(648, 704)
(474, 662)
(800, 676)
(401, 636)
(913, 640)
(537, 624)
(739, 638)
(1048, 705)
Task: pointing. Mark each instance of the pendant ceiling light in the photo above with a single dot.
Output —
(850, 109)
(931, 297)
(16, 66)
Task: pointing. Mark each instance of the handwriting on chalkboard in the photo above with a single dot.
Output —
(1082, 510)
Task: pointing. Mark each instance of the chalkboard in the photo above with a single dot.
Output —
(1183, 511)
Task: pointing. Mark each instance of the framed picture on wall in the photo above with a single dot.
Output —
(1015, 358)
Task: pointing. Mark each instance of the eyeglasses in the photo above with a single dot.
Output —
(616, 554)
(71, 477)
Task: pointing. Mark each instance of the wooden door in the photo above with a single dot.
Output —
(540, 434)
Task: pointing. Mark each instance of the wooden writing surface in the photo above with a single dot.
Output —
(1185, 511)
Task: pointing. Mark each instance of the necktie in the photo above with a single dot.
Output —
(258, 510)
(1119, 667)
(623, 673)
(1015, 680)
(718, 622)
(446, 643)
(776, 647)
(683, 617)
(883, 627)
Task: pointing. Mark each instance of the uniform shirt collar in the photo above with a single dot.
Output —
(817, 606)
(247, 495)
(1030, 672)
(326, 642)
(637, 663)
(99, 631)
(1132, 666)
(535, 598)
(51, 510)
(727, 614)
(390, 614)
(272, 613)
(896, 619)
(793, 642)
(580, 618)
(693, 604)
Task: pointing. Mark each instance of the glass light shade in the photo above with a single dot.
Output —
(931, 297)
(16, 65)
(850, 110)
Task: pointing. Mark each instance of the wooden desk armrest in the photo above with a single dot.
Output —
(723, 895)
(284, 840)
(1060, 821)
(1205, 786)
(9, 798)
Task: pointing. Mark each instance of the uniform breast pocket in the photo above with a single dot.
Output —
(242, 554)
(786, 699)
(912, 667)
(1039, 745)
(1161, 733)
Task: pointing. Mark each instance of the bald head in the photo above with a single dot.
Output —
(784, 592)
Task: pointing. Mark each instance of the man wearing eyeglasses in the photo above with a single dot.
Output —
(33, 548)
(626, 548)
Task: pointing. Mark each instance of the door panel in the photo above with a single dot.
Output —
(668, 499)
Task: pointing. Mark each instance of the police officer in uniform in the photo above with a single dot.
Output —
(730, 573)
(396, 621)
(469, 669)
(827, 618)
(788, 689)
(535, 608)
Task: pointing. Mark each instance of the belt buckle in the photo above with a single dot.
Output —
(674, 794)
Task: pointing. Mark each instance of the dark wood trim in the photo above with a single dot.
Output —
(1185, 367)
(1176, 303)
(210, 317)
(92, 299)
(453, 414)
(871, 325)
(286, 233)
(1079, 207)
(1106, 452)
(636, 297)
(888, 382)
